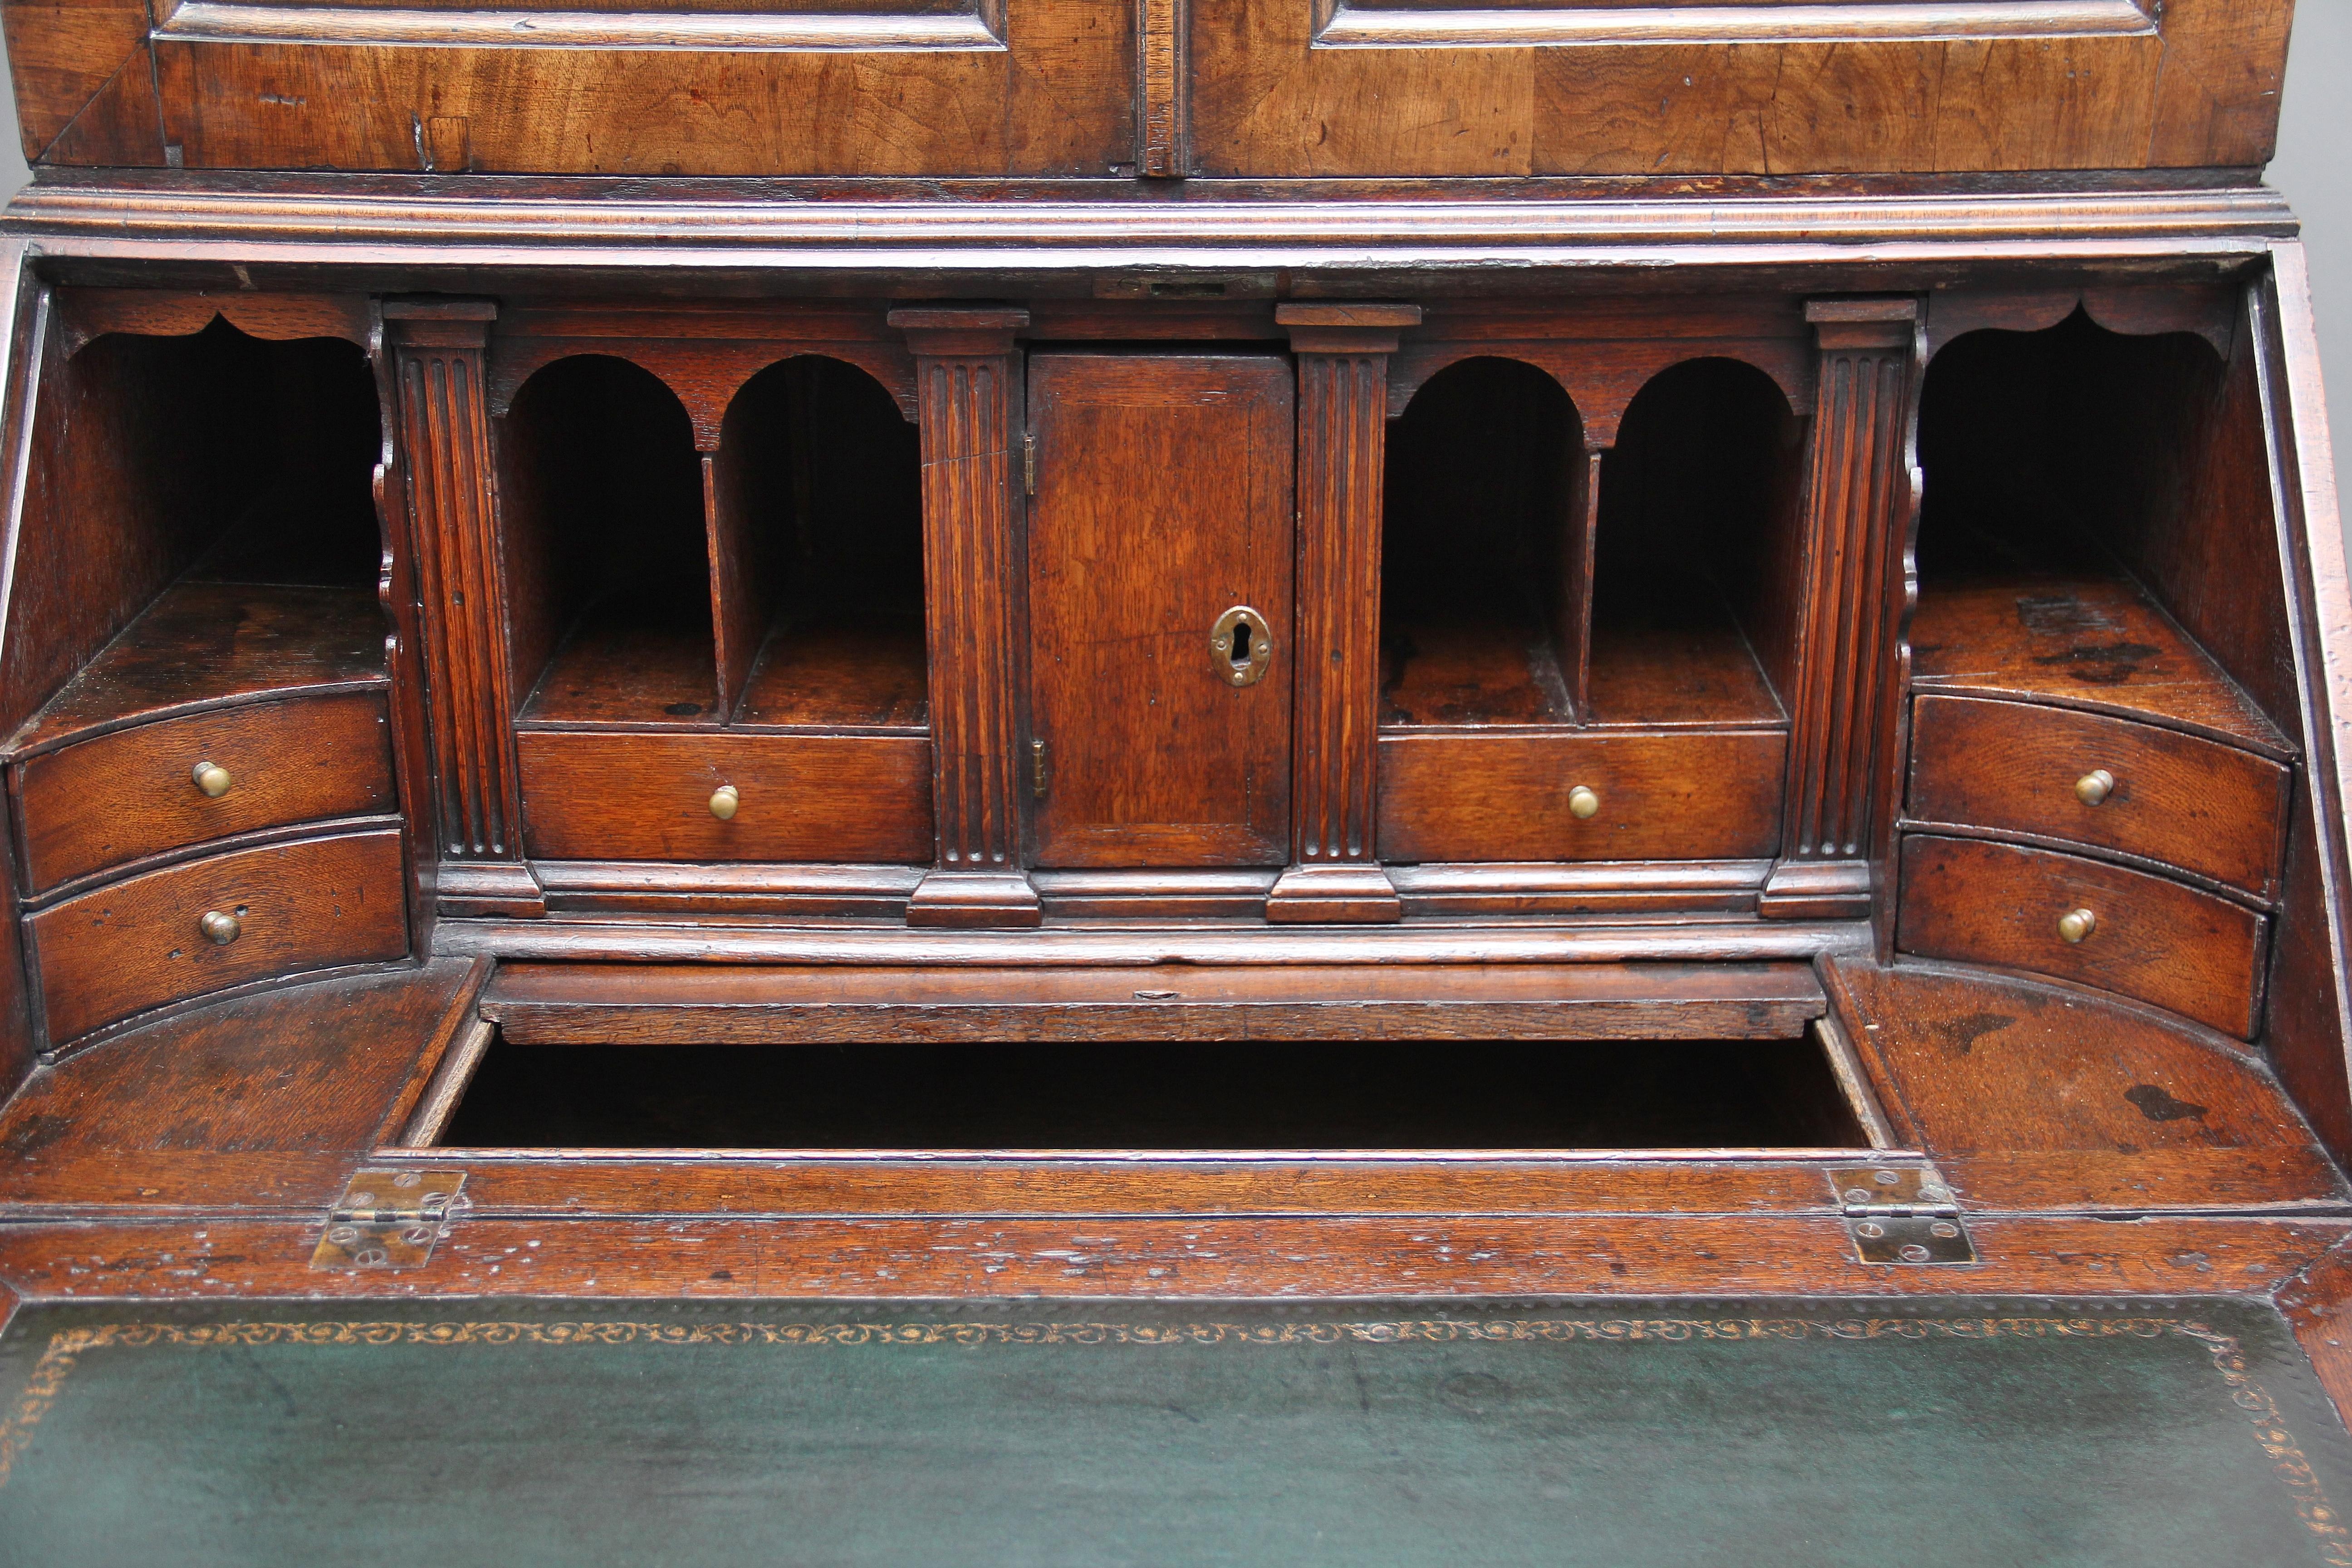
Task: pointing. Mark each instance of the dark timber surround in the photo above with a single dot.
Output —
(1178, 651)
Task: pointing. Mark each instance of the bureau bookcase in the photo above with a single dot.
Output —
(1224, 649)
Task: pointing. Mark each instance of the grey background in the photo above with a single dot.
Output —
(2314, 167)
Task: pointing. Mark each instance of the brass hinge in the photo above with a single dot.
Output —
(389, 1219)
(1901, 1213)
(1028, 465)
(1037, 769)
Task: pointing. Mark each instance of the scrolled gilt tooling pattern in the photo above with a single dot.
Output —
(2269, 1426)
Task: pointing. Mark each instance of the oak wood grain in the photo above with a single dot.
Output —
(1189, 1259)
(132, 793)
(261, 1102)
(927, 96)
(2177, 798)
(2033, 1095)
(1539, 89)
(120, 950)
(645, 796)
(1500, 796)
(2093, 642)
(1851, 661)
(1163, 500)
(655, 1005)
(2192, 953)
(1342, 353)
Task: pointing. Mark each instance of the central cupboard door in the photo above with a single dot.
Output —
(1161, 534)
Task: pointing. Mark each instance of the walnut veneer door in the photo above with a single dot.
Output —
(586, 87)
(1719, 87)
(1163, 501)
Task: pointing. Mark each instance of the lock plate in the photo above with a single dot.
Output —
(389, 1219)
(1243, 646)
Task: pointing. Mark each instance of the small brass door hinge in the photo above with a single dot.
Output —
(1901, 1213)
(1037, 769)
(1028, 465)
(389, 1219)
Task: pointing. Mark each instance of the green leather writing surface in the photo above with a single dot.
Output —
(1619, 1435)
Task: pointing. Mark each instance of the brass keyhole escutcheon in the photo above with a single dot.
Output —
(1243, 646)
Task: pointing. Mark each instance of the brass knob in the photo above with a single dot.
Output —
(2093, 787)
(211, 778)
(1583, 804)
(2076, 924)
(724, 802)
(220, 929)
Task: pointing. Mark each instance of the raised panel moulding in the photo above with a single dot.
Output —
(1873, 21)
(210, 22)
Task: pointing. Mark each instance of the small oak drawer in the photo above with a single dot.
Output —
(2198, 955)
(849, 798)
(2206, 808)
(184, 930)
(180, 781)
(1647, 795)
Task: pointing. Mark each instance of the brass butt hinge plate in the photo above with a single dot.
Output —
(1901, 1213)
(389, 1219)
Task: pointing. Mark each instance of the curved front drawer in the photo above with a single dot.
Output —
(2194, 954)
(123, 797)
(2206, 808)
(141, 942)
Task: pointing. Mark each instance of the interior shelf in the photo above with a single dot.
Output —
(202, 644)
(1480, 600)
(2062, 468)
(775, 585)
(213, 531)
(1515, 597)
(840, 670)
(2085, 638)
(632, 660)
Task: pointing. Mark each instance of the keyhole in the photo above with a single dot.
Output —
(1241, 655)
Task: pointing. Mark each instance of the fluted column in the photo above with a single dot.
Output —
(1343, 368)
(445, 452)
(1859, 502)
(968, 374)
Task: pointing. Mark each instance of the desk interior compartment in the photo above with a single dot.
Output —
(1582, 648)
(196, 588)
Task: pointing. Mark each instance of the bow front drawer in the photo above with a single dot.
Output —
(2085, 920)
(186, 930)
(154, 787)
(2108, 784)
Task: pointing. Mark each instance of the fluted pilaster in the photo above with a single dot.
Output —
(968, 372)
(438, 346)
(1343, 354)
(1849, 683)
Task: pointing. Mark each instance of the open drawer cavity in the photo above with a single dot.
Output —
(1161, 1058)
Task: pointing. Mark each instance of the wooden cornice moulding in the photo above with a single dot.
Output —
(1265, 225)
(1729, 939)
